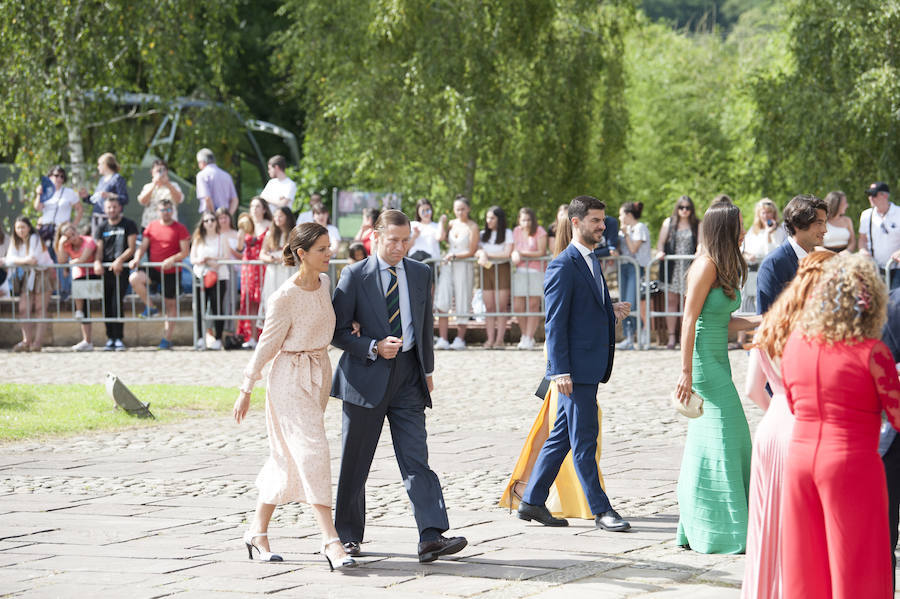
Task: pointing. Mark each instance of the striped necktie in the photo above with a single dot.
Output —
(393, 304)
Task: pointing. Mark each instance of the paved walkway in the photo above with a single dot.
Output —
(159, 511)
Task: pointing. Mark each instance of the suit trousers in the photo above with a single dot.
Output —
(404, 407)
(575, 429)
(891, 460)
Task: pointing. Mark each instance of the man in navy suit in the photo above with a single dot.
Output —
(385, 371)
(580, 341)
(804, 220)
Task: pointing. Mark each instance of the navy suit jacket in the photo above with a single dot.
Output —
(775, 272)
(358, 297)
(581, 326)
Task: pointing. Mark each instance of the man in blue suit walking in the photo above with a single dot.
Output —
(385, 372)
(804, 219)
(580, 341)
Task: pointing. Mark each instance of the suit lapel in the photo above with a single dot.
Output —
(372, 288)
(582, 267)
(412, 289)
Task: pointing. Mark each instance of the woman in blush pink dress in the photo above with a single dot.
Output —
(762, 567)
(298, 329)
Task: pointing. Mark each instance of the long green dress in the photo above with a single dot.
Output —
(714, 483)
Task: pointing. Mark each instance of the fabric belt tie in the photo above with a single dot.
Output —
(309, 366)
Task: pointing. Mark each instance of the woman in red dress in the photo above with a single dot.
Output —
(254, 233)
(838, 377)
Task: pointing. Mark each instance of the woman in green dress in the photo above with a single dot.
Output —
(714, 482)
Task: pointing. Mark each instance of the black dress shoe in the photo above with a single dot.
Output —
(431, 550)
(352, 548)
(612, 521)
(540, 513)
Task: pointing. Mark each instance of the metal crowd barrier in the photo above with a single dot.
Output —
(91, 289)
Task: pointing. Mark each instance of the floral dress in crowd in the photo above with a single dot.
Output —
(251, 281)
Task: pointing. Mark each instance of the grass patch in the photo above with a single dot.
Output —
(30, 411)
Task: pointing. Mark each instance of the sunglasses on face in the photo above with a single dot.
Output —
(209, 220)
(165, 210)
(56, 175)
(684, 207)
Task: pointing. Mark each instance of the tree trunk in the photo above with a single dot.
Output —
(469, 188)
(73, 116)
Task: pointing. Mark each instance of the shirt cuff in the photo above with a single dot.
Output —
(372, 355)
(428, 374)
(553, 377)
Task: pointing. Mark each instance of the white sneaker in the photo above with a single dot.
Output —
(458, 343)
(625, 344)
(645, 338)
(83, 346)
(441, 343)
(200, 345)
(118, 345)
(79, 315)
(216, 345)
(249, 344)
(522, 343)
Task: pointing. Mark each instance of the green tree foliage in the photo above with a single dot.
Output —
(58, 58)
(510, 104)
(830, 117)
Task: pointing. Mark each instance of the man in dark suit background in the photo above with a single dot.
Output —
(385, 371)
(889, 443)
(580, 341)
(804, 220)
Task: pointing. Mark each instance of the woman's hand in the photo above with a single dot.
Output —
(241, 406)
(660, 255)
(683, 389)
(516, 257)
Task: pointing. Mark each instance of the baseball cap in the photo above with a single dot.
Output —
(878, 187)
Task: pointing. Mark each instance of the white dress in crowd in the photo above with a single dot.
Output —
(836, 237)
(758, 245)
(33, 248)
(428, 239)
(455, 282)
(276, 274)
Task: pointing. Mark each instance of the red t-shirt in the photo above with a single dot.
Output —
(165, 240)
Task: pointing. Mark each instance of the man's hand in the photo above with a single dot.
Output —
(389, 347)
(169, 263)
(117, 266)
(133, 264)
(896, 256)
(621, 309)
(564, 385)
(429, 382)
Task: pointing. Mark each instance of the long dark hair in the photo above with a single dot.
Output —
(423, 202)
(18, 242)
(501, 225)
(673, 225)
(721, 242)
(532, 230)
(200, 230)
(277, 236)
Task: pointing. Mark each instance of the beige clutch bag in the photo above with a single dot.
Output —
(693, 408)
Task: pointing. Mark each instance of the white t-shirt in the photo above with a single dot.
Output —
(305, 217)
(492, 247)
(884, 239)
(58, 207)
(428, 239)
(279, 188)
(215, 246)
(639, 232)
(334, 237)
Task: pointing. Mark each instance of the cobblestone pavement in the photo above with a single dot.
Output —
(158, 511)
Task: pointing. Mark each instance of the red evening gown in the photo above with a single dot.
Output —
(251, 282)
(835, 538)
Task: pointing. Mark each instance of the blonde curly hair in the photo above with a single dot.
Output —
(849, 304)
(779, 321)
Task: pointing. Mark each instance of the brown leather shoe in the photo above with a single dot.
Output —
(431, 550)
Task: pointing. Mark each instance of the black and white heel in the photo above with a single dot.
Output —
(347, 562)
(262, 556)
